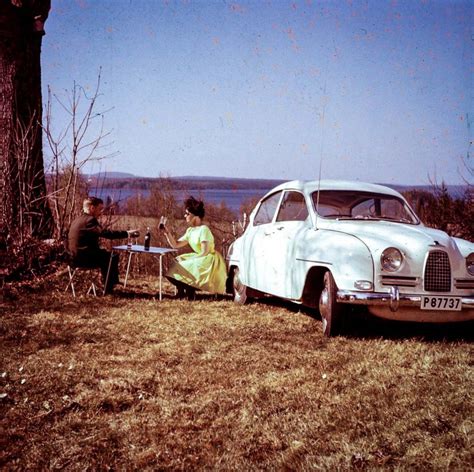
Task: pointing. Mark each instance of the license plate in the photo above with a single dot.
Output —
(441, 303)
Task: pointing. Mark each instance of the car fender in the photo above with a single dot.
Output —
(234, 259)
(465, 247)
(345, 255)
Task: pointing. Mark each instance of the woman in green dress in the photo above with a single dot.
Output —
(202, 269)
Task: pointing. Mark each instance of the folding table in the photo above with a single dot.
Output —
(157, 252)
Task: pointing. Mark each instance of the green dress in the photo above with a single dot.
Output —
(202, 272)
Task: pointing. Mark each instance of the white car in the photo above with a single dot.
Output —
(331, 243)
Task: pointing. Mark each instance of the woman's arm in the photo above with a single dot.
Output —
(206, 240)
(172, 241)
(204, 248)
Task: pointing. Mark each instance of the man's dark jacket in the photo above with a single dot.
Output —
(83, 238)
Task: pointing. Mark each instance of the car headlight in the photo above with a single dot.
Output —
(391, 259)
(470, 263)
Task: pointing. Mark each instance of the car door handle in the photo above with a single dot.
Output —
(279, 228)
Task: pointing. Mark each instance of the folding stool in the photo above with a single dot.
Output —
(73, 273)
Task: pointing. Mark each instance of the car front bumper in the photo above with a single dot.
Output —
(405, 307)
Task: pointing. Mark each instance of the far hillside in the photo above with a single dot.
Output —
(129, 181)
(122, 180)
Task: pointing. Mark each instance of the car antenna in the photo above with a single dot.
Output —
(321, 147)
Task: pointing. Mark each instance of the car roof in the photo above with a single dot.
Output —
(309, 186)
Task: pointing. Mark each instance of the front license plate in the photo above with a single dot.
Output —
(441, 303)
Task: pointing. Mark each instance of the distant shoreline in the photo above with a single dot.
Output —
(199, 183)
(131, 182)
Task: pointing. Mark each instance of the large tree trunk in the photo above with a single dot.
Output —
(23, 205)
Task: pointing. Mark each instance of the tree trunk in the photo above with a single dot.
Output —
(23, 207)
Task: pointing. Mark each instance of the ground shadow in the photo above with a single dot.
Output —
(360, 324)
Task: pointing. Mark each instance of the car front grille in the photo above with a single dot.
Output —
(437, 272)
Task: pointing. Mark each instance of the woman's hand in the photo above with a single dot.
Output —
(162, 224)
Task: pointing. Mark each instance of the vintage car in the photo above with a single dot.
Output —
(330, 244)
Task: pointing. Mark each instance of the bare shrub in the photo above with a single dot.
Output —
(31, 217)
(438, 209)
(79, 142)
(219, 219)
(248, 205)
(161, 201)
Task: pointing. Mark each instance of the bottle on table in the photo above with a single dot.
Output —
(146, 244)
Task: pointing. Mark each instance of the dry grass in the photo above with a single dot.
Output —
(129, 383)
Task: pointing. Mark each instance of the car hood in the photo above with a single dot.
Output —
(411, 239)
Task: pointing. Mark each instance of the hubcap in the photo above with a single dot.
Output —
(239, 288)
(324, 303)
(237, 283)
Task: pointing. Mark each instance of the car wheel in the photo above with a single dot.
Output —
(331, 311)
(240, 290)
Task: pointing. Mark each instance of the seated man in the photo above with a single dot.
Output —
(83, 242)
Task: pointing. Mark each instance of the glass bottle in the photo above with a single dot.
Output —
(146, 244)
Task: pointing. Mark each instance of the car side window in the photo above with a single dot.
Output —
(293, 207)
(267, 209)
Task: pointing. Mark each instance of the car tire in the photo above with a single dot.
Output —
(239, 289)
(330, 310)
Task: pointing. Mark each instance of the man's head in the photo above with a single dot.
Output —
(93, 206)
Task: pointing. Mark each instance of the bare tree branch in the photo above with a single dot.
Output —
(79, 143)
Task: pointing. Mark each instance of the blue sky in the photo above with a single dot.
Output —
(374, 90)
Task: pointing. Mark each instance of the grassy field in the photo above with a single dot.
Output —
(125, 382)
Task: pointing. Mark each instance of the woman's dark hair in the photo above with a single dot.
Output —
(196, 207)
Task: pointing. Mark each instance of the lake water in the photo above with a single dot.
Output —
(233, 198)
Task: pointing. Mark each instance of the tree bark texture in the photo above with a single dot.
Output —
(21, 147)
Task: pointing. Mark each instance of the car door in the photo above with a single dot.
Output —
(291, 221)
(258, 247)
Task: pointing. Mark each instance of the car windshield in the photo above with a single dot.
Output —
(357, 205)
